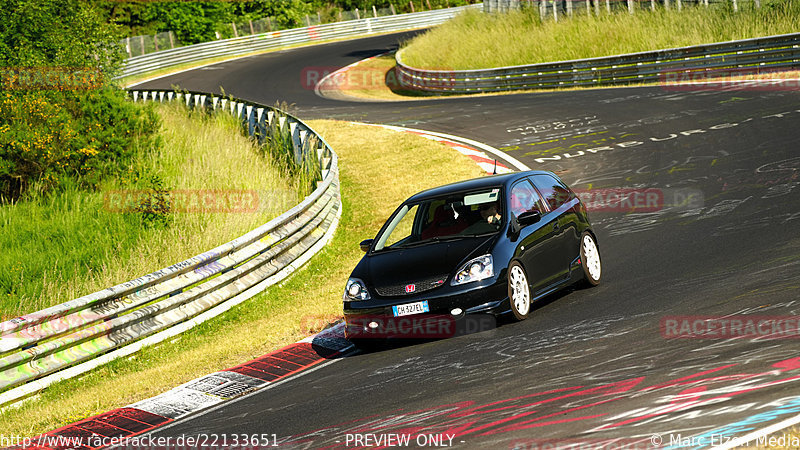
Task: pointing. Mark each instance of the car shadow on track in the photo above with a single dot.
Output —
(468, 325)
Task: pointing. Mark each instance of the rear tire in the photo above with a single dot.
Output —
(519, 291)
(590, 260)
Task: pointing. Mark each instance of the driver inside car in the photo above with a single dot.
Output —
(490, 213)
(488, 219)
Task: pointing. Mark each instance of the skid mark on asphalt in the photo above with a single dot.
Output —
(706, 387)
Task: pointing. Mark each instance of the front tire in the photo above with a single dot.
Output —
(590, 260)
(519, 291)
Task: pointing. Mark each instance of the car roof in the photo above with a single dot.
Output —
(474, 184)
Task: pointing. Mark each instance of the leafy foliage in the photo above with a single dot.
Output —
(49, 135)
(66, 33)
(155, 206)
(57, 128)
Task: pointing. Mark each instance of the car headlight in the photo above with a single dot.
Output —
(476, 269)
(355, 290)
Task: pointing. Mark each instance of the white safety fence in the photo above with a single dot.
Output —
(229, 48)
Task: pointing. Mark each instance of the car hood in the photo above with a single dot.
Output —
(427, 266)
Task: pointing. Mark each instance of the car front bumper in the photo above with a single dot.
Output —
(375, 318)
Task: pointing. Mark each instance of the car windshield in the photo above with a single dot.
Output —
(454, 216)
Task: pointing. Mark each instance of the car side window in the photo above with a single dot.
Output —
(524, 198)
(555, 193)
(404, 227)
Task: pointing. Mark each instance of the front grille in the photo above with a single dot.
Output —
(399, 290)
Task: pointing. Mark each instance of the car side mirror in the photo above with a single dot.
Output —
(529, 218)
(365, 245)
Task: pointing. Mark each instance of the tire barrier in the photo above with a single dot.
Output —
(671, 66)
(229, 48)
(65, 340)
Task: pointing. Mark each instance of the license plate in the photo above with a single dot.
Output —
(410, 308)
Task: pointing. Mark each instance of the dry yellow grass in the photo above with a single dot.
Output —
(379, 169)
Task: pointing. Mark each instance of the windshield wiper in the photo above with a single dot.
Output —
(487, 233)
(454, 237)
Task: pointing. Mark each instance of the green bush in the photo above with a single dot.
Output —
(155, 206)
(46, 136)
(57, 124)
(63, 33)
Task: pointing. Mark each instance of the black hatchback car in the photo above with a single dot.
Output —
(487, 245)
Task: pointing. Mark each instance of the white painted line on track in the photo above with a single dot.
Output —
(519, 165)
(750, 438)
(182, 71)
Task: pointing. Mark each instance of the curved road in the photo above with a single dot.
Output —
(593, 365)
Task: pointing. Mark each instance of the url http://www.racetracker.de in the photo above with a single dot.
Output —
(239, 441)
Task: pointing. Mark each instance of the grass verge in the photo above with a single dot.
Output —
(73, 242)
(474, 40)
(379, 169)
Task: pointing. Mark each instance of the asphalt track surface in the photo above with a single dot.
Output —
(589, 365)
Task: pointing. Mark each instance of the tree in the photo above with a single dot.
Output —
(61, 118)
(66, 33)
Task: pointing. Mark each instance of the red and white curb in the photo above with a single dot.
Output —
(197, 395)
(485, 156)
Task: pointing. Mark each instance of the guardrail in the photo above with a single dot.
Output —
(285, 38)
(699, 62)
(67, 339)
